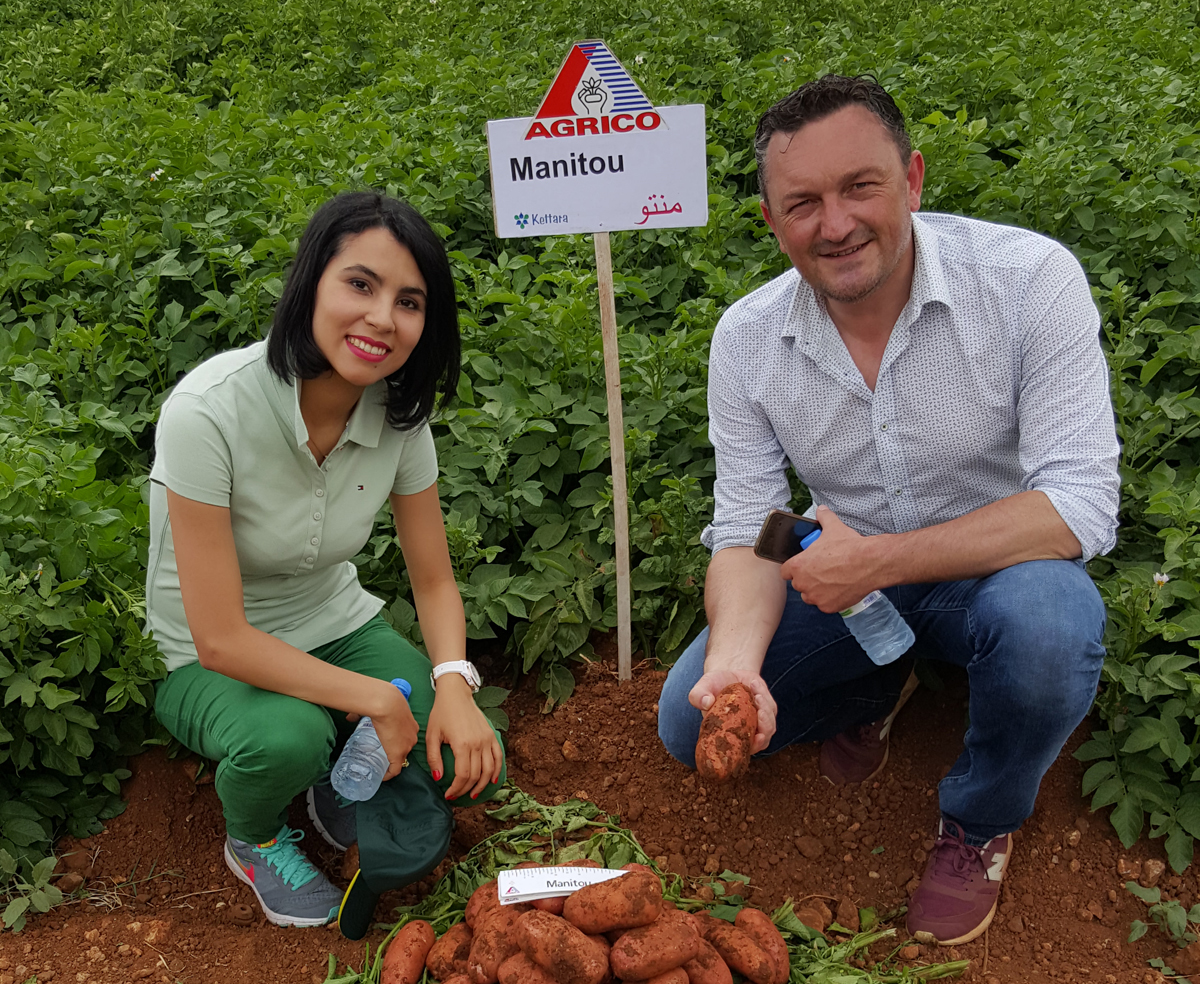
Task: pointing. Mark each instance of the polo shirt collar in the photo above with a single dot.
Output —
(366, 422)
(369, 417)
(808, 315)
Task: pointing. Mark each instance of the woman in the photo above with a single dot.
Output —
(271, 463)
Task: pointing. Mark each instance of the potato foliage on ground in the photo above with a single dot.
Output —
(158, 161)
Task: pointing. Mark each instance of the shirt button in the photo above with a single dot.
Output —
(899, 491)
(316, 539)
(320, 492)
(308, 560)
(316, 515)
(883, 427)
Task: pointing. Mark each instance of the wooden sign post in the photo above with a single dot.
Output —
(598, 157)
(616, 448)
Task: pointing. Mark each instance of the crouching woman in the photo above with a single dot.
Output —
(271, 463)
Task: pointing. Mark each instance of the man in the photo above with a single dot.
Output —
(938, 384)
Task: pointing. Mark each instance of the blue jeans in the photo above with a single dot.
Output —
(1029, 636)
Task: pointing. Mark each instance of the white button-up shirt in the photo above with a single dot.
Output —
(992, 383)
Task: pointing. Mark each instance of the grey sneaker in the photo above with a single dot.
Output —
(333, 815)
(290, 890)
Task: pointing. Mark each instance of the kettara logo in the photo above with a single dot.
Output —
(593, 94)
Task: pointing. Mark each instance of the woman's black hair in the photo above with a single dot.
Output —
(434, 363)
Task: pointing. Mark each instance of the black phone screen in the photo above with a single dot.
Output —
(781, 535)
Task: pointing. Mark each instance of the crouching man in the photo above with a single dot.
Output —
(937, 383)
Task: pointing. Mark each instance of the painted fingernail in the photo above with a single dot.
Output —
(474, 795)
(437, 776)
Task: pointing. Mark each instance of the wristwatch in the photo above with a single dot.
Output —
(465, 667)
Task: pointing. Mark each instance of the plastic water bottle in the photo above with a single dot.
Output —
(359, 770)
(875, 623)
(879, 628)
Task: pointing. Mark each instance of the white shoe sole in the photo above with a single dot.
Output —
(277, 918)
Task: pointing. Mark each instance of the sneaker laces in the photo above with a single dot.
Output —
(953, 857)
(293, 868)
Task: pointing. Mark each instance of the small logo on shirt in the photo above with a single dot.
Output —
(360, 488)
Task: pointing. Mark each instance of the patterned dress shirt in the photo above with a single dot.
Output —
(992, 383)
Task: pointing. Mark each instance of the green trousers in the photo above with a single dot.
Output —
(270, 747)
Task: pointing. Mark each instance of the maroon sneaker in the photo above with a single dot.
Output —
(860, 753)
(960, 888)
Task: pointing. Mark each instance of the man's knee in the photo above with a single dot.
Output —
(1041, 629)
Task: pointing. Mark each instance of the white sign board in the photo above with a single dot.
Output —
(598, 157)
(526, 884)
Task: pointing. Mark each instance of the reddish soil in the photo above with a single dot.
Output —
(162, 906)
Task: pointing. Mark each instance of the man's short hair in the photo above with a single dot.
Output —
(823, 97)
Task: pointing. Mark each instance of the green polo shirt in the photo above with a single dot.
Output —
(230, 434)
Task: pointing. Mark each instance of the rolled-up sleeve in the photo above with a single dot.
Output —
(751, 463)
(1068, 444)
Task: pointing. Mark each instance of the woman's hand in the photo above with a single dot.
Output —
(397, 730)
(457, 722)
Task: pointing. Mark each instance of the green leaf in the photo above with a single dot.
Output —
(1126, 819)
(557, 683)
(491, 696)
(1096, 774)
(1179, 846)
(497, 717)
(53, 697)
(22, 688)
(539, 637)
(1137, 929)
(15, 910)
(24, 832)
(1150, 896)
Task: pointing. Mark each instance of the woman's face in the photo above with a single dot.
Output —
(370, 307)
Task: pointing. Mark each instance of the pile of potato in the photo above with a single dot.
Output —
(619, 930)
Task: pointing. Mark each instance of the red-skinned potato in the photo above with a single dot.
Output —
(675, 976)
(404, 961)
(668, 942)
(457, 979)
(495, 940)
(484, 898)
(704, 922)
(519, 969)
(561, 949)
(554, 905)
(741, 952)
(626, 902)
(727, 734)
(707, 967)
(758, 924)
(449, 954)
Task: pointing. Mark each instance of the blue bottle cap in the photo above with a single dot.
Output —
(809, 540)
(404, 686)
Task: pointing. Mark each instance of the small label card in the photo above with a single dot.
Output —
(526, 884)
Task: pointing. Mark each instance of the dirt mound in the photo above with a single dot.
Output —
(165, 908)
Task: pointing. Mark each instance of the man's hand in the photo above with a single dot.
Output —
(708, 686)
(835, 572)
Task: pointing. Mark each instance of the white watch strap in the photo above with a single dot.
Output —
(461, 666)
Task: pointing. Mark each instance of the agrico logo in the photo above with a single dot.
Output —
(592, 94)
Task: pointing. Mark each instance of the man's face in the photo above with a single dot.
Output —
(840, 202)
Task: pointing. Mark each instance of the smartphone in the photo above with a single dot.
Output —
(783, 535)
